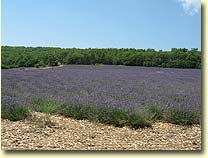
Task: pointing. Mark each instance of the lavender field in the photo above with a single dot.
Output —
(128, 87)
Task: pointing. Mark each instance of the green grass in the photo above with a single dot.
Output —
(155, 112)
(113, 116)
(178, 98)
(49, 107)
(139, 120)
(107, 115)
(118, 117)
(73, 111)
(104, 115)
(181, 117)
(16, 113)
(79, 112)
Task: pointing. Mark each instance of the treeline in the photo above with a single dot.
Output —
(13, 57)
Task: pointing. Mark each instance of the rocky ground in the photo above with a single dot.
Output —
(45, 132)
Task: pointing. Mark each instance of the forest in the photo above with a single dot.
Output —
(19, 56)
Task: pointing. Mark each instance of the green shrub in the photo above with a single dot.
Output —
(49, 107)
(5, 66)
(80, 112)
(181, 117)
(16, 113)
(112, 116)
(155, 112)
(118, 117)
(70, 110)
(104, 115)
(139, 120)
(89, 112)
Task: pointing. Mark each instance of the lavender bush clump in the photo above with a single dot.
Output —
(129, 88)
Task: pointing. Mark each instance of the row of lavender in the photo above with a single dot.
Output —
(127, 87)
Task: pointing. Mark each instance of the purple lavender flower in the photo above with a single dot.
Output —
(125, 86)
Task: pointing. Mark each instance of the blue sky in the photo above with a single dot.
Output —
(157, 24)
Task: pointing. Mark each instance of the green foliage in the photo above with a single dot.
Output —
(139, 120)
(154, 112)
(52, 60)
(181, 117)
(16, 113)
(112, 115)
(104, 115)
(49, 107)
(73, 111)
(13, 57)
(79, 112)
(89, 112)
(119, 117)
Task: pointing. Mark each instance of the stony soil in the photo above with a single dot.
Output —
(45, 132)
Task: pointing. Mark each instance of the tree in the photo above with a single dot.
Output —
(52, 60)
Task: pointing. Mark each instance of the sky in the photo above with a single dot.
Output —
(156, 24)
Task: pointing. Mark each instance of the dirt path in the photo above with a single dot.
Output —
(47, 67)
(44, 132)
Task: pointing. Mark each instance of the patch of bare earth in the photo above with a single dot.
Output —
(47, 67)
(45, 132)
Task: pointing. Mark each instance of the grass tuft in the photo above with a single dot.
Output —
(89, 112)
(106, 114)
(16, 113)
(139, 120)
(70, 110)
(49, 107)
(181, 117)
(79, 112)
(155, 112)
(118, 117)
